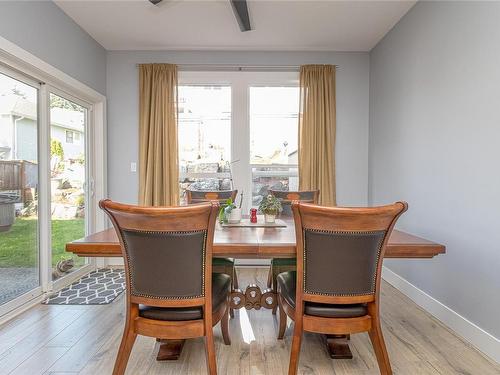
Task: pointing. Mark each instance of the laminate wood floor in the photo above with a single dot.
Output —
(61, 340)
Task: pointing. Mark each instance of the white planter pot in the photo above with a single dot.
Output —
(235, 216)
(269, 219)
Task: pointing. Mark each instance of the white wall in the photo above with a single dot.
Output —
(352, 112)
(435, 142)
(43, 29)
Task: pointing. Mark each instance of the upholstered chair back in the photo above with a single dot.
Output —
(165, 248)
(341, 249)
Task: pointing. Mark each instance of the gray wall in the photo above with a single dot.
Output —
(43, 29)
(435, 142)
(352, 112)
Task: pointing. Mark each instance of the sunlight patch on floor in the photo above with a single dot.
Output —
(246, 327)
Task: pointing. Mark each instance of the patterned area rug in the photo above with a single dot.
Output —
(97, 288)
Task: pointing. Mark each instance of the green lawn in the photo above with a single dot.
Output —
(18, 245)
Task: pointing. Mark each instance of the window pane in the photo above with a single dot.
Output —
(204, 137)
(67, 181)
(274, 125)
(19, 254)
(273, 139)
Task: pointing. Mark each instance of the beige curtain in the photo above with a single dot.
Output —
(158, 157)
(317, 131)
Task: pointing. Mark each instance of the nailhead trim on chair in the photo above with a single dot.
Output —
(346, 233)
(134, 293)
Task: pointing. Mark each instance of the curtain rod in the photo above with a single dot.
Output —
(238, 68)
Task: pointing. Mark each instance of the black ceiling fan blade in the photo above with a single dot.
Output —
(155, 2)
(240, 10)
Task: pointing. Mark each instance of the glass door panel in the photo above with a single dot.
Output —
(19, 247)
(204, 134)
(68, 123)
(273, 139)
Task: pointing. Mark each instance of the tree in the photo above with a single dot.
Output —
(56, 156)
(56, 149)
(58, 102)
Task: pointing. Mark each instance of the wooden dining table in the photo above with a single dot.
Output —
(252, 243)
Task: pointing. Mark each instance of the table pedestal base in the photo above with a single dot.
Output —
(254, 298)
(338, 346)
(170, 350)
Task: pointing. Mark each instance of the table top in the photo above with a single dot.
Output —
(244, 243)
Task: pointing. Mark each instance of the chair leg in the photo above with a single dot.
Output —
(210, 352)
(378, 343)
(235, 279)
(234, 285)
(125, 349)
(275, 271)
(224, 325)
(295, 352)
(270, 276)
(282, 321)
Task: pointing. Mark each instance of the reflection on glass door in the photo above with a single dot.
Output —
(19, 249)
(67, 181)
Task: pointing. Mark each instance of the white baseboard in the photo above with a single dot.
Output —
(479, 338)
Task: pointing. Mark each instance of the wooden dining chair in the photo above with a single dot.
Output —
(279, 265)
(220, 265)
(171, 291)
(200, 196)
(336, 287)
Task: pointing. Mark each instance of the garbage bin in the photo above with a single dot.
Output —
(7, 216)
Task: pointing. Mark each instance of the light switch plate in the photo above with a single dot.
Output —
(133, 167)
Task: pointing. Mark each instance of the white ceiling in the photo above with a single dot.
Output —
(304, 25)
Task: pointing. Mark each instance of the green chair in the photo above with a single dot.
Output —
(279, 265)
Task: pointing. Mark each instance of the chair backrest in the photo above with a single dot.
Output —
(167, 251)
(200, 196)
(287, 197)
(340, 250)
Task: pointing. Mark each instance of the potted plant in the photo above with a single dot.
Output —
(225, 210)
(270, 207)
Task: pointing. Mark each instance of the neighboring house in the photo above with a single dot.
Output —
(18, 130)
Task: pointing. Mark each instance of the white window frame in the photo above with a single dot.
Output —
(23, 65)
(67, 133)
(240, 83)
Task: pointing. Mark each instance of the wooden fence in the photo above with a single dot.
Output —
(18, 181)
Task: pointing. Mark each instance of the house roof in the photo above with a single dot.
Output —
(65, 118)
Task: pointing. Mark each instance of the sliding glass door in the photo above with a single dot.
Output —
(68, 180)
(19, 215)
(44, 189)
